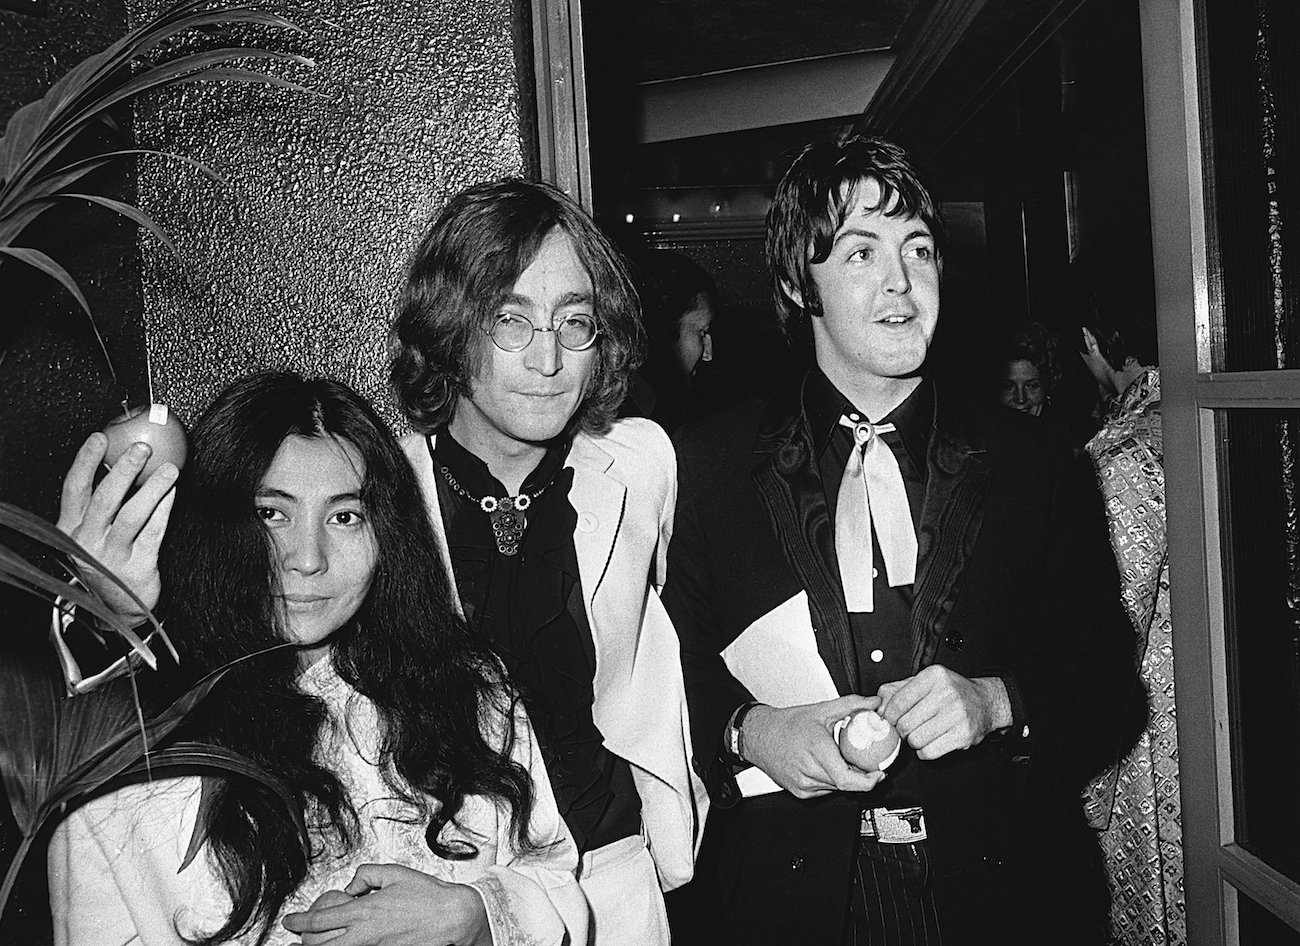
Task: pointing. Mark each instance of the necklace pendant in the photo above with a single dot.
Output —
(506, 514)
(508, 524)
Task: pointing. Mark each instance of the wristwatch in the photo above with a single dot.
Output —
(733, 737)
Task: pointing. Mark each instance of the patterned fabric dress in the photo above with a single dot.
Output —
(1136, 805)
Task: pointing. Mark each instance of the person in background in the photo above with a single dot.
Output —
(517, 332)
(297, 521)
(1030, 369)
(678, 305)
(1135, 804)
(864, 539)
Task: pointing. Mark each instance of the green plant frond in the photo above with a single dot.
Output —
(172, 74)
(127, 742)
(37, 120)
(39, 260)
(78, 80)
(20, 136)
(37, 529)
(116, 744)
(35, 208)
(30, 700)
(185, 757)
(46, 265)
(80, 95)
(11, 222)
(131, 213)
(26, 577)
(162, 75)
(149, 35)
(198, 67)
(34, 164)
(134, 47)
(55, 751)
(21, 574)
(47, 186)
(206, 169)
(111, 123)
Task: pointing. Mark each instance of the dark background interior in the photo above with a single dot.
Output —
(1031, 131)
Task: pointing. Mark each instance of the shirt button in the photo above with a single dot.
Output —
(877, 656)
(875, 573)
(796, 863)
(587, 522)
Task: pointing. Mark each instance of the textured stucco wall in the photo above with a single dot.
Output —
(297, 261)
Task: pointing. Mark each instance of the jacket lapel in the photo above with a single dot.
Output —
(791, 491)
(598, 498)
(419, 451)
(956, 487)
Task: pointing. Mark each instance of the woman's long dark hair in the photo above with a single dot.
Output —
(406, 649)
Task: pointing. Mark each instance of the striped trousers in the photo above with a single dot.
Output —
(891, 902)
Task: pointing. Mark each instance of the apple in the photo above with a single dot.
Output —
(867, 740)
(154, 425)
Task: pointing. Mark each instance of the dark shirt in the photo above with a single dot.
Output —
(884, 633)
(530, 606)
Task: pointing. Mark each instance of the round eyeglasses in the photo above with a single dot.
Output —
(515, 333)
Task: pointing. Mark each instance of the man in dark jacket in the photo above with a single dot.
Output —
(866, 539)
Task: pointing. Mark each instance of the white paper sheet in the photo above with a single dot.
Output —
(776, 659)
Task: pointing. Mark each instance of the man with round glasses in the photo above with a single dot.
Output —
(517, 333)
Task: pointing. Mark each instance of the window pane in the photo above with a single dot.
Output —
(1252, 129)
(1260, 515)
(1258, 927)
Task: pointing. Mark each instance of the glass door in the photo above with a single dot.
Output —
(1223, 113)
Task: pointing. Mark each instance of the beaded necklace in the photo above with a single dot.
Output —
(506, 513)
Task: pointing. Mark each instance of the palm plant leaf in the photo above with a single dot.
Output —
(37, 164)
(40, 531)
(80, 86)
(55, 751)
(45, 264)
(69, 173)
(178, 72)
(21, 202)
(86, 760)
(48, 131)
(21, 574)
(185, 757)
(131, 213)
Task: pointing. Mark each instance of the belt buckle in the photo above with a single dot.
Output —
(894, 825)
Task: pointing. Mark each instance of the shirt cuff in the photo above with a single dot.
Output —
(1015, 739)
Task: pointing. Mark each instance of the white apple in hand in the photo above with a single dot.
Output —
(154, 425)
(867, 741)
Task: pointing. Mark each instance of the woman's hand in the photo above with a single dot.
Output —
(388, 905)
(123, 534)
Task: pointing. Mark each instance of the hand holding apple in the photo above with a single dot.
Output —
(155, 426)
(867, 741)
(122, 527)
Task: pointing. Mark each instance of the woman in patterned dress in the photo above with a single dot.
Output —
(1135, 805)
(298, 520)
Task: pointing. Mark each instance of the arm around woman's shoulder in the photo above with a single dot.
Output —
(532, 895)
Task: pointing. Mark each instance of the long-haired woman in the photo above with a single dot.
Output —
(298, 521)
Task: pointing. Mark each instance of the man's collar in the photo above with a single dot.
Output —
(477, 479)
(914, 418)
